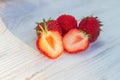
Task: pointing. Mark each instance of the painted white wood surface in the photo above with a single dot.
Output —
(20, 60)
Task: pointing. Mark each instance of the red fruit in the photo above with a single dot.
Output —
(75, 40)
(50, 42)
(91, 25)
(52, 25)
(67, 22)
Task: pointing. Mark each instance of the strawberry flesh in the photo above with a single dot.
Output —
(50, 41)
(50, 44)
(75, 40)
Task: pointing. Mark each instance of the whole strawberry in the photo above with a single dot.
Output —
(67, 22)
(52, 25)
(91, 25)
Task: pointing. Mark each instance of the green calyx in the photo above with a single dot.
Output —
(100, 22)
(49, 19)
(42, 26)
(88, 35)
(44, 29)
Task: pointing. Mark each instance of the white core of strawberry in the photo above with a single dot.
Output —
(76, 41)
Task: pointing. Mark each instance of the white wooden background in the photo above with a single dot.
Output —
(20, 60)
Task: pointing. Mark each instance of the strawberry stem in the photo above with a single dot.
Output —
(49, 19)
(37, 23)
(45, 26)
(42, 29)
(39, 32)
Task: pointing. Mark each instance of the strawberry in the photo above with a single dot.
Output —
(91, 25)
(52, 25)
(49, 42)
(67, 22)
(75, 40)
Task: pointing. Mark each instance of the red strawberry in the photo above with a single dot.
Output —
(52, 25)
(91, 25)
(67, 22)
(50, 42)
(75, 40)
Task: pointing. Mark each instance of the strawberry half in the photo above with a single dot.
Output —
(75, 40)
(52, 25)
(49, 42)
(67, 22)
(91, 25)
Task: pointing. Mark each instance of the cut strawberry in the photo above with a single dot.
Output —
(50, 42)
(75, 40)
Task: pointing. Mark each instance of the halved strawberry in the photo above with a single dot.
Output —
(50, 42)
(75, 40)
